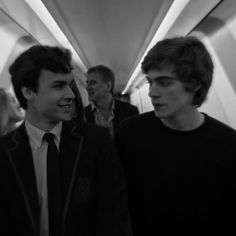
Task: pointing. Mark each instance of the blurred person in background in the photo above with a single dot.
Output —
(104, 109)
(10, 112)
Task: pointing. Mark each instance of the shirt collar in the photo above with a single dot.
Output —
(36, 134)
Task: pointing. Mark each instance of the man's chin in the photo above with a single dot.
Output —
(161, 114)
(66, 117)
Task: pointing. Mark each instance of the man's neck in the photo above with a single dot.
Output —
(105, 104)
(185, 122)
(43, 125)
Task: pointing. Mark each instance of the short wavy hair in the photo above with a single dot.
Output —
(106, 73)
(190, 59)
(25, 70)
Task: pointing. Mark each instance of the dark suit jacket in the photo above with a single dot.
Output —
(122, 110)
(93, 184)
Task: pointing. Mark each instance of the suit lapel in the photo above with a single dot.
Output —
(21, 161)
(70, 148)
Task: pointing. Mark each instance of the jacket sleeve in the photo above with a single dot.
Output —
(5, 228)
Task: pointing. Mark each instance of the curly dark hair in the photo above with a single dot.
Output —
(106, 74)
(26, 69)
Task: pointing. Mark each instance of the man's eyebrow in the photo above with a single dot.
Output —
(61, 82)
(58, 82)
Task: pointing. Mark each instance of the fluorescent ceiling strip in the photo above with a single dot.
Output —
(172, 14)
(41, 11)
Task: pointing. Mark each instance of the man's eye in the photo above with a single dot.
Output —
(149, 81)
(58, 86)
(91, 83)
(164, 83)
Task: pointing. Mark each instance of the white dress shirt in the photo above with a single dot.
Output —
(39, 150)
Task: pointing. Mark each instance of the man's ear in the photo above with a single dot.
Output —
(193, 86)
(109, 85)
(197, 86)
(28, 93)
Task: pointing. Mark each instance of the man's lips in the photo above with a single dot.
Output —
(66, 107)
(158, 105)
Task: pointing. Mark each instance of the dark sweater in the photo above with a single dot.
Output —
(179, 181)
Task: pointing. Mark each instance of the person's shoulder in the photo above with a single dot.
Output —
(87, 127)
(88, 130)
(138, 120)
(121, 103)
(219, 127)
(125, 105)
(9, 139)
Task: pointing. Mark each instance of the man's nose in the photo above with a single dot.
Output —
(69, 93)
(88, 86)
(154, 91)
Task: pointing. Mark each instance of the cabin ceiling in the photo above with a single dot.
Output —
(115, 33)
(110, 32)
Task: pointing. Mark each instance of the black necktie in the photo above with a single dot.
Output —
(53, 181)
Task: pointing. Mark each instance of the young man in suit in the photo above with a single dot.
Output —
(70, 183)
(180, 163)
(104, 110)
